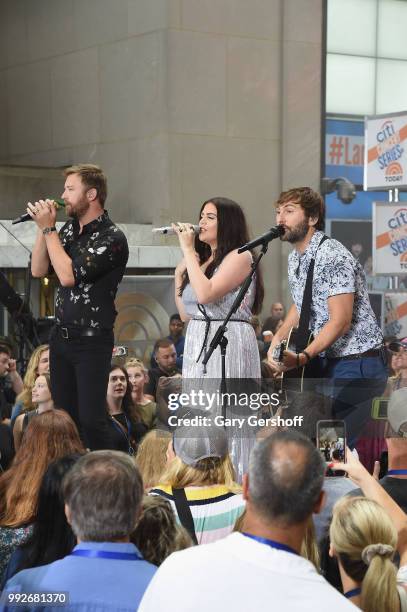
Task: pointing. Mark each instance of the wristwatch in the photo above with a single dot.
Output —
(48, 230)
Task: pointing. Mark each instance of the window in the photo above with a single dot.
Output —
(366, 57)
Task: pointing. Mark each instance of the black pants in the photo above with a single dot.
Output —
(79, 369)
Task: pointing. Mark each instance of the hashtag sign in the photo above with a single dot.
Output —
(336, 150)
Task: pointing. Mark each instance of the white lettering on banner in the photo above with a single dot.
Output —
(385, 151)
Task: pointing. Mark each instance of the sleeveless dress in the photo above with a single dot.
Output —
(242, 365)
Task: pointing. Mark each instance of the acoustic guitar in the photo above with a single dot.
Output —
(295, 379)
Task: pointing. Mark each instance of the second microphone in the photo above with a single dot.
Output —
(168, 230)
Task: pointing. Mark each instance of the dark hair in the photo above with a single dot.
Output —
(175, 317)
(232, 233)
(52, 537)
(286, 475)
(162, 343)
(92, 177)
(103, 491)
(310, 201)
(127, 403)
(5, 349)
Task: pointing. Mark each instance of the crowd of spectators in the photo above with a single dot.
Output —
(162, 522)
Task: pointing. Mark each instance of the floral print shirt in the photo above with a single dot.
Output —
(10, 538)
(99, 256)
(336, 271)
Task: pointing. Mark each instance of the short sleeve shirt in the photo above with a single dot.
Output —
(336, 272)
(99, 256)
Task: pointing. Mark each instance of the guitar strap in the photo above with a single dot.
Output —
(303, 333)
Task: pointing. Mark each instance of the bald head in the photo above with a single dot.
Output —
(286, 474)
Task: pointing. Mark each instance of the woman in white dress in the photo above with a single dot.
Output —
(207, 281)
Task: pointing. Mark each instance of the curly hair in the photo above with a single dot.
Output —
(157, 533)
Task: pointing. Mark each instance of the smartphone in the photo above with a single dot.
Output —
(331, 442)
(379, 408)
(119, 351)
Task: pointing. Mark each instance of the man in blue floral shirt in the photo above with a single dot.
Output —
(345, 329)
(89, 257)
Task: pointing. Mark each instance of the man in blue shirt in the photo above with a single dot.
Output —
(176, 327)
(104, 572)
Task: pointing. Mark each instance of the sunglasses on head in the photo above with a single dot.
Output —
(397, 347)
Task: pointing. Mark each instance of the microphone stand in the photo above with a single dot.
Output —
(25, 326)
(219, 338)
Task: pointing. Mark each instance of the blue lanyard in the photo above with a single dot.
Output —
(105, 554)
(120, 428)
(353, 592)
(397, 473)
(271, 543)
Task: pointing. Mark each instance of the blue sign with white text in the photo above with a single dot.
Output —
(344, 156)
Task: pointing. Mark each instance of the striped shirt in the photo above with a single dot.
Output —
(214, 509)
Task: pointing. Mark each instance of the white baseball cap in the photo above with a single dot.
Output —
(397, 412)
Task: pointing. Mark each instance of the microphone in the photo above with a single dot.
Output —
(274, 232)
(27, 217)
(170, 232)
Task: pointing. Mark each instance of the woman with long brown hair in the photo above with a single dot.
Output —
(42, 401)
(125, 426)
(207, 281)
(48, 436)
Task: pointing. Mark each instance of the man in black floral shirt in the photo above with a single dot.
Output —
(345, 329)
(89, 257)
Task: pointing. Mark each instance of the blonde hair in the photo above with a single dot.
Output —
(239, 523)
(208, 471)
(309, 546)
(157, 533)
(151, 456)
(30, 377)
(133, 362)
(357, 525)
